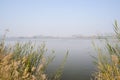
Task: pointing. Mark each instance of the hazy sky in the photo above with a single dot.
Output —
(58, 17)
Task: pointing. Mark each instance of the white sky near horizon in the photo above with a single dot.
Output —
(58, 17)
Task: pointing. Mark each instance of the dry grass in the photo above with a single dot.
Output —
(25, 62)
(20, 69)
(108, 62)
(22, 62)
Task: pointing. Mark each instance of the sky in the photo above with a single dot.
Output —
(58, 17)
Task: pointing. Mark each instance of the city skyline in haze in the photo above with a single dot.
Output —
(58, 17)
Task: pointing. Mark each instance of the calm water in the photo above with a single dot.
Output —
(79, 65)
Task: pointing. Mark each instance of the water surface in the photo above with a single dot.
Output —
(79, 65)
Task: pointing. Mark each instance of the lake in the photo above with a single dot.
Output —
(79, 64)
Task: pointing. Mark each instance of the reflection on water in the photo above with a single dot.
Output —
(79, 65)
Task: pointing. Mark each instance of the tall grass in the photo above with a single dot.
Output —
(24, 61)
(108, 60)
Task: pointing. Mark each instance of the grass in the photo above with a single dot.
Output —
(108, 60)
(24, 61)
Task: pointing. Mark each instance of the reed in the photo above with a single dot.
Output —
(108, 60)
(25, 61)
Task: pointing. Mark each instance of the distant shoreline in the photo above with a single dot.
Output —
(89, 37)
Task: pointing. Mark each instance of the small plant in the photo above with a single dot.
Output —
(108, 60)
